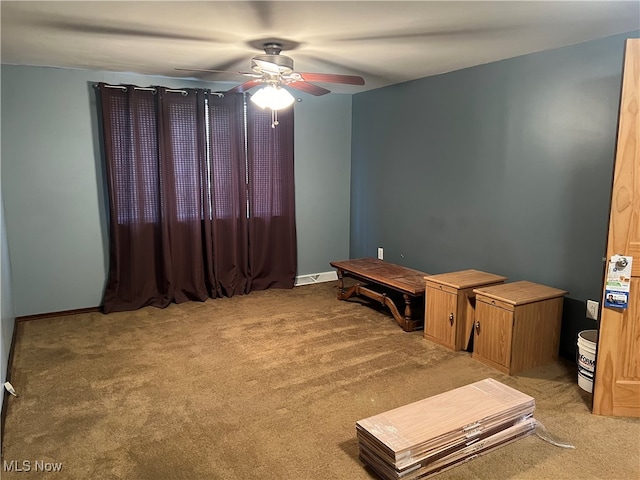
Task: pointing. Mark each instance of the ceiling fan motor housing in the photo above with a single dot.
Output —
(284, 63)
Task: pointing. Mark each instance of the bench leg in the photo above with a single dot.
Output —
(345, 293)
(405, 321)
(340, 283)
(409, 324)
(407, 307)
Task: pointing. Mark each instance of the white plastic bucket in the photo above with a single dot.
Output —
(586, 358)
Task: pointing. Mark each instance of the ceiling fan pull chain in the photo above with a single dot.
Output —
(274, 118)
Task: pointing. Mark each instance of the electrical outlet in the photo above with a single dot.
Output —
(592, 309)
(380, 253)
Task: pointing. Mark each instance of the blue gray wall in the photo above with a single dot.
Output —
(7, 320)
(504, 167)
(54, 193)
(7, 316)
(323, 167)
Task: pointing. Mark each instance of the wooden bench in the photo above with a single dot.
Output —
(405, 281)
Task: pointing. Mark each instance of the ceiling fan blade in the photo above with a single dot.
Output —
(245, 86)
(230, 64)
(94, 28)
(333, 78)
(333, 65)
(309, 88)
(451, 32)
(204, 70)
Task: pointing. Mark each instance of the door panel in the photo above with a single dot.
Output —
(493, 334)
(439, 306)
(617, 379)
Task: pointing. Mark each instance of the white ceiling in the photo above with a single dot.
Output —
(385, 42)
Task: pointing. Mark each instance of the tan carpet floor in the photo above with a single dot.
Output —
(265, 386)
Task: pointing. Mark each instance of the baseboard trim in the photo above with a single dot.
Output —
(316, 278)
(63, 313)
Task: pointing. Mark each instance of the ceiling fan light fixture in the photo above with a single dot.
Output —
(273, 97)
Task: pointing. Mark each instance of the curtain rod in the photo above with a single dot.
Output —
(152, 89)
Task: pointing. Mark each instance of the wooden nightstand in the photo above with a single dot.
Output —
(449, 306)
(517, 325)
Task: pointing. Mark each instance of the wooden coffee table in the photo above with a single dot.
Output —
(380, 276)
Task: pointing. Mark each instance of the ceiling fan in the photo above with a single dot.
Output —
(275, 70)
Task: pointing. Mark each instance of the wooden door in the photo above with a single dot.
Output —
(493, 335)
(441, 317)
(617, 379)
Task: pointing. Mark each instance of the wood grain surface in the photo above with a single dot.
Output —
(421, 430)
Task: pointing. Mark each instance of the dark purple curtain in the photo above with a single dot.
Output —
(272, 227)
(179, 190)
(227, 176)
(156, 194)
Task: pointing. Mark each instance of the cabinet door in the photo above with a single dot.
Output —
(492, 335)
(441, 316)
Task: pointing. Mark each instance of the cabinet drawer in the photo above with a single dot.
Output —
(493, 302)
(439, 286)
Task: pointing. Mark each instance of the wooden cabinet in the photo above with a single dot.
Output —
(517, 325)
(449, 306)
